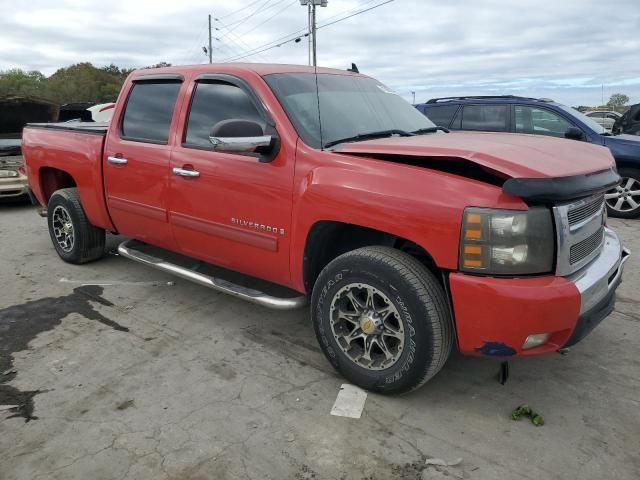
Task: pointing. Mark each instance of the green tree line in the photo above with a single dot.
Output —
(81, 82)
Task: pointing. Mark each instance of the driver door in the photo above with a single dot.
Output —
(230, 209)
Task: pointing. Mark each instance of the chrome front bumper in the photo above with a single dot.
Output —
(602, 275)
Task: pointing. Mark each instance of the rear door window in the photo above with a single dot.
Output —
(440, 115)
(540, 121)
(491, 118)
(147, 116)
(213, 103)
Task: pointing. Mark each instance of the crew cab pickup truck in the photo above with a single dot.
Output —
(407, 239)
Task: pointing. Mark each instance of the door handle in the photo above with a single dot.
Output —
(117, 160)
(183, 172)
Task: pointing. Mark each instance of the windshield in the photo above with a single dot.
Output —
(591, 123)
(350, 106)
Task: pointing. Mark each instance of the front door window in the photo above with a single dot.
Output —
(540, 121)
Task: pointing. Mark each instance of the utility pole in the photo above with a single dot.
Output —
(414, 97)
(210, 43)
(309, 36)
(311, 12)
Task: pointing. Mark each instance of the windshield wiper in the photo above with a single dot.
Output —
(430, 130)
(369, 136)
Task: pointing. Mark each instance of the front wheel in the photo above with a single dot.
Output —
(74, 238)
(382, 320)
(623, 201)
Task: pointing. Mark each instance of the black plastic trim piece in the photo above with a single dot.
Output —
(71, 127)
(561, 188)
(172, 77)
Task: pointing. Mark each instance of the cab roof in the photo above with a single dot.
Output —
(261, 69)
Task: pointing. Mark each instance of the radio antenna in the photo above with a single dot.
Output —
(315, 70)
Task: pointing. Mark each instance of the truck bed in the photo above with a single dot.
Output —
(69, 154)
(82, 127)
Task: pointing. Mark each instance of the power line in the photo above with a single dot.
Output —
(239, 10)
(231, 36)
(354, 14)
(297, 38)
(293, 35)
(271, 17)
(260, 7)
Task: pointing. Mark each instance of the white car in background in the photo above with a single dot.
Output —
(102, 112)
(606, 118)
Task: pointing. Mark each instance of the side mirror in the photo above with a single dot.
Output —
(240, 136)
(574, 133)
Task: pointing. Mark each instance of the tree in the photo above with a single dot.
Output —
(158, 65)
(83, 82)
(617, 101)
(23, 84)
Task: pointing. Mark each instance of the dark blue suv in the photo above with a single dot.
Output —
(545, 117)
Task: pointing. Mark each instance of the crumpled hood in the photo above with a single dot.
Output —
(513, 155)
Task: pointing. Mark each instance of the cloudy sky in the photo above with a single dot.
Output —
(563, 49)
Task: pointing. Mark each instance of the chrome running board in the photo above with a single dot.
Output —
(127, 249)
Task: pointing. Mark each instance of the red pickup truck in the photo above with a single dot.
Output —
(406, 238)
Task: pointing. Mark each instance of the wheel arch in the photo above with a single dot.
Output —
(52, 179)
(328, 239)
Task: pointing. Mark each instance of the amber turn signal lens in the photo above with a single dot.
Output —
(473, 234)
(472, 256)
(473, 226)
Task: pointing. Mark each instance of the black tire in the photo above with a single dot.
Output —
(414, 292)
(626, 211)
(88, 241)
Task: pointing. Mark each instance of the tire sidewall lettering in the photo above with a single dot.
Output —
(398, 371)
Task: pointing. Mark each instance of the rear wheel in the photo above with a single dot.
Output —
(623, 201)
(74, 238)
(382, 320)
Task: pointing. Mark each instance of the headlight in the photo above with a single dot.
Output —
(507, 242)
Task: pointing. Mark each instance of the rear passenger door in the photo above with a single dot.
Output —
(483, 117)
(136, 160)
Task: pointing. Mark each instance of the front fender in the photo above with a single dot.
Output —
(418, 204)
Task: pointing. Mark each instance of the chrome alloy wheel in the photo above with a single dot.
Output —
(63, 228)
(367, 326)
(625, 197)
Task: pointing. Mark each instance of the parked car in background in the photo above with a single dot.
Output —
(405, 239)
(545, 117)
(102, 112)
(13, 179)
(629, 123)
(606, 118)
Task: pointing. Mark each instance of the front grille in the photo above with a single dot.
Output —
(11, 162)
(584, 248)
(585, 211)
(579, 233)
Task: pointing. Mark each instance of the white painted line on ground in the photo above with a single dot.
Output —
(350, 401)
(105, 283)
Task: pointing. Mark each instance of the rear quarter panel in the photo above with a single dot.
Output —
(79, 155)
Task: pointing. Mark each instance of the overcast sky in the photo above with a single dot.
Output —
(563, 49)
